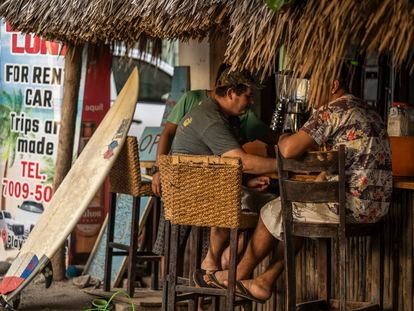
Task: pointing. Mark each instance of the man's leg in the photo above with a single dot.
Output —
(260, 245)
(225, 258)
(219, 239)
(262, 286)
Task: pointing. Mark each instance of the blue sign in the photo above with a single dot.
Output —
(148, 143)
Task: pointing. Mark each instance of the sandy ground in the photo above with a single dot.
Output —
(59, 296)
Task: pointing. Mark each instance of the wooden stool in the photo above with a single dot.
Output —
(125, 177)
(293, 190)
(201, 191)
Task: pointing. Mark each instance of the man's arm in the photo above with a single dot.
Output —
(164, 147)
(166, 138)
(253, 164)
(294, 145)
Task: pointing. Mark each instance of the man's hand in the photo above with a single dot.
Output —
(156, 184)
(260, 183)
(321, 177)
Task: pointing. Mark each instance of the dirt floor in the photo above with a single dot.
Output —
(66, 296)
(59, 296)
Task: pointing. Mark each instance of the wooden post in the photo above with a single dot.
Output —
(73, 62)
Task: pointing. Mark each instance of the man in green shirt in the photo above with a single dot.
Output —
(251, 128)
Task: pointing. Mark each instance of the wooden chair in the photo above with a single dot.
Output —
(293, 190)
(125, 177)
(200, 191)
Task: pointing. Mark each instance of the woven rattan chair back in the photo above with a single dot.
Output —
(202, 190)
(125, 175)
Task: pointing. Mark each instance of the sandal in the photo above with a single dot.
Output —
(214, 281)
(243, 292)
(198, 278)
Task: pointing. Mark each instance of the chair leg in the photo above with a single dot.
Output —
(133, 246)
(324, 269)
(172, 275)
(195, 259)
(382, 268)
(155, 220)
(110, 239)
(165, 286)
(341, 245)
(290, 271)
(231, 288)
(215, 303)
(155, 271)
(377, 264)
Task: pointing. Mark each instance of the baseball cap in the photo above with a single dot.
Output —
(231, 78)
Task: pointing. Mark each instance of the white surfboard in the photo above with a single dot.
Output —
(74, 194)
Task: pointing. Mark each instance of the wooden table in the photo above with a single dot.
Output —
(400, 182)
(403, 182)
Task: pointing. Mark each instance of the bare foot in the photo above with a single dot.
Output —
(221, 277)
(209, 265)
(258, 289)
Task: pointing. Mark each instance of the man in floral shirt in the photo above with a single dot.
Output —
(350, 122)
(344, 120)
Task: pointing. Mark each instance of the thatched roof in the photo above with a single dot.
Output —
(314, 32)
(128, 21)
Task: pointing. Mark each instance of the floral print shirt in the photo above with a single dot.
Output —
(350, 122)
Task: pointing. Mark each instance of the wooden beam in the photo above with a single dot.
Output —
(73, 64)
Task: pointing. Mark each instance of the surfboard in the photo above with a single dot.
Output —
(74, 194)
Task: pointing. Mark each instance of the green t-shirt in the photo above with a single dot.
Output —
(251, 127)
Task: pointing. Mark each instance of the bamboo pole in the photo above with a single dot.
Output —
(73, 61)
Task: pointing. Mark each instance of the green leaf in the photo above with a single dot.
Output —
(276, 5)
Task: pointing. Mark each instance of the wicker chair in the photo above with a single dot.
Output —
(292, 190)
(125, 177)
(201, 191)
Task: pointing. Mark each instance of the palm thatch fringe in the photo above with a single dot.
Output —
(102, 20)
(316, 33)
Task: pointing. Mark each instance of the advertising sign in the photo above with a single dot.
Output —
(96, 103)
(31, 91)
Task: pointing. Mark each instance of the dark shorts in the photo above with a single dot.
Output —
(158, 247)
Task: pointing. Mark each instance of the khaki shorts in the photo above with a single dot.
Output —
(271, 215)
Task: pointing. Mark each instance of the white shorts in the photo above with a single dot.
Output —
(271, 215)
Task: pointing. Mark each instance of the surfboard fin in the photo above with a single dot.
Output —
(48, 274)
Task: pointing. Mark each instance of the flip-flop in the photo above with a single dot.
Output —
(198, 278)
(243, 292)
(214, 281)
